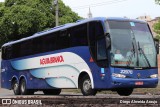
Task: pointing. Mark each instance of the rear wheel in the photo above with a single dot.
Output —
(15, 87)
(86, 86)
(24, 90)
(125, 92)
(52, 91)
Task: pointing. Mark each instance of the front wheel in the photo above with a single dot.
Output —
(125, 92)
(86, 86)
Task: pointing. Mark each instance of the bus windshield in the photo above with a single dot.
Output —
(132, 45)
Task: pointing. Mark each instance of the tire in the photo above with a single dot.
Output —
(125, 92)
(24, 90)
(15, 87)
(86, 86)
(52, 91)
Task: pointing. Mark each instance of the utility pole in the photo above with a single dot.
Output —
(56, 11)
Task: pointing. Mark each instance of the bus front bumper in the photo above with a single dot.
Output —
(134, 83)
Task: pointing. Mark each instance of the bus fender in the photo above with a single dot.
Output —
(89, 74)
(14, 78)
(24, 77)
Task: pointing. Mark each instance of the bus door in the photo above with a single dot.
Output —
(97, 43)
(98, 50)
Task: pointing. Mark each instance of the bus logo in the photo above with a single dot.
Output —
(138, 75)
(50, 60)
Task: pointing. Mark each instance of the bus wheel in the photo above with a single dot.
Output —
(86, 86)
(15, 88)
(52, 91)
(125, 92)
(23, 89)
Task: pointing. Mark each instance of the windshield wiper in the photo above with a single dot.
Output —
(131, 56)
(141, 50)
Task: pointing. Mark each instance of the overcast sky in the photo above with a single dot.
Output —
(114, 8)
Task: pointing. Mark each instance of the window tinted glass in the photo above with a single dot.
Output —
(97, 43)
(79, 35)
(101, 49)
(25, 48)
(71, 37)
(63, 40)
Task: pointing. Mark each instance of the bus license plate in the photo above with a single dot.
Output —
(138, 83)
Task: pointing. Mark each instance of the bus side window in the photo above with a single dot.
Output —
(79, 35)
(50, 45)
(62, 40)
(95, 32)
(4, 53)
(97, 43)
(26, 48)
(9, 52)
(16, 51)
(36, 45)
(92, 39)
(101, 49)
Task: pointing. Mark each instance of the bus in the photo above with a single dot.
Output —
(117, 54)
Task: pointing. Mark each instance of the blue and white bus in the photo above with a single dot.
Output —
(117, 54)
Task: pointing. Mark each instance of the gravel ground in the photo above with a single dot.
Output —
(70, 99)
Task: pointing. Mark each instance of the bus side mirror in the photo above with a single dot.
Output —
(108, 40)
(156, 41)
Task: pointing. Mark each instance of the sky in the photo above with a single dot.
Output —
(114, 8)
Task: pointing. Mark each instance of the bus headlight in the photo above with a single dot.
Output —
(154, 76)
(118, 75)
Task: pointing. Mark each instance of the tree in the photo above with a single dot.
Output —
(157, 29)
(66, 14)
(3, 38)
(22, 18)
(157, 25)
(44, 6)
(157, 1)
(21, 21)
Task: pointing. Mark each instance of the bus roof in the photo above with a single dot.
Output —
(68, 25)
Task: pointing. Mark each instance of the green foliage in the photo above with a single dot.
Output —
(157, 1)
(1, 9)
(157, 25)
(66, 16)
(1, 4)
(22, 21)
(22, 18)
(157, 29)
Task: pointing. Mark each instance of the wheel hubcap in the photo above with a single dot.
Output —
(22, 87)
(87, 85)
(15, 87)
